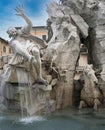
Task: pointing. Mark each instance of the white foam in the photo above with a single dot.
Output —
(27, 120)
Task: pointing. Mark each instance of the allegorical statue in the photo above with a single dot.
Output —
(90, 94)
(23, 44)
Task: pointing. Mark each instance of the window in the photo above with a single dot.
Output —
(44, 37)
(9, 50)
(4, 49)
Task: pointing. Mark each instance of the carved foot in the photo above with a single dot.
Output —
(32, 59)
(95, 107)
(96, 104)
(82, 104)
(42, 81)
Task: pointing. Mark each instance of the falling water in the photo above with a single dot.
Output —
(26, 99)
(30, 88)
(21, 104)
(32, 100)
(3, 84)
(23, 89)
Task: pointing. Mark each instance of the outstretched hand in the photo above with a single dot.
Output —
(19, 10)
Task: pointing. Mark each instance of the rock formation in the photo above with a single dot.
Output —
(93, 12)
(63, 49)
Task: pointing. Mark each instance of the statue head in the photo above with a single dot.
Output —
(12, 31)
(92, 3)
(88, 71)
(49, 22)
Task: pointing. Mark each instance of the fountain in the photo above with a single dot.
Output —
(22, 86)
(38, 85)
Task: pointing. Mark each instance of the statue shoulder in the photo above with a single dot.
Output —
(13, 41)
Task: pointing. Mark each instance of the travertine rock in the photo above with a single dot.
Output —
(93, 12)
(81, 24)
(97, 36)
(21, 75)
(35, 100)
(63, 49)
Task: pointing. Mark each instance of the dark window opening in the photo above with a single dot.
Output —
(4, 49)
(9, 50)
(44, 37)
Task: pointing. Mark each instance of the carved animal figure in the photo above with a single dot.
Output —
(90, 94)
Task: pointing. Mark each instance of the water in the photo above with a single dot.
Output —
(61, 120)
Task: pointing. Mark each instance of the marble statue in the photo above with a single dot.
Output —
(23, 45)
(62, 30)
(64, 48)
(22, 86)
(90, 94)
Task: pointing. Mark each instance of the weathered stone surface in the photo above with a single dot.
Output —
(93, 12)
(19, 75)
(36, 100)
(49, 78)
(81, 24)
(97, 40)
(63, 50)
(64, 91)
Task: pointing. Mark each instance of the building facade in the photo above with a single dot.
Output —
(40, 31)
(5, 50)
(4, 47)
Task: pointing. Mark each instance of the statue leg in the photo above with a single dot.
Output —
(22, 51)
(37, 65)
(96, 104)
(82, 104)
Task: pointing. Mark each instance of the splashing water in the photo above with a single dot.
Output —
(28, 120)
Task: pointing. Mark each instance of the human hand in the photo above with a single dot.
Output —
(19, 11)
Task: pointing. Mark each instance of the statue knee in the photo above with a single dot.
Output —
(35, 52)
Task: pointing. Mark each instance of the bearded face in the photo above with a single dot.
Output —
(12, 32)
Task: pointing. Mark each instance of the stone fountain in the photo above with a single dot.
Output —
(43, 84)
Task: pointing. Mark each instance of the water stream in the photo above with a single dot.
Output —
(59, 120)
(24, 92)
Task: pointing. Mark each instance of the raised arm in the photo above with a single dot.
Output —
(20, 12)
